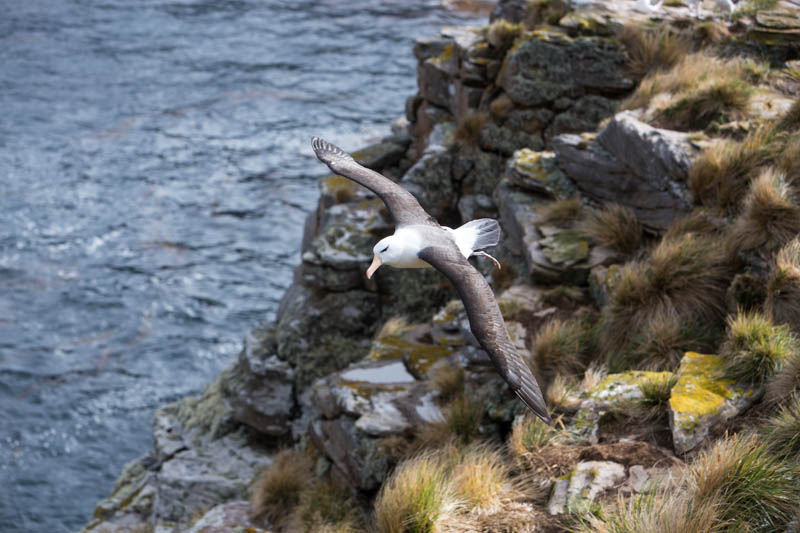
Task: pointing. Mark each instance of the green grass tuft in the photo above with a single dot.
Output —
(781, 432)
(755, 348)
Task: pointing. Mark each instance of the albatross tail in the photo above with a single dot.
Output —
(477, 235)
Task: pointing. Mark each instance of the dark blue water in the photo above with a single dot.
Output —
(155, 172)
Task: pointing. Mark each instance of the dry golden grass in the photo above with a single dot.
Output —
(561, 212)
(686, 277)
(614, 226)
(652, 49)
(721, 174)
(416, 497)
(783, 287)
(688, 73)
(770, 216)
(754, 348)
(277, 490)
(561, 394)
(713, 101)
(481, 478)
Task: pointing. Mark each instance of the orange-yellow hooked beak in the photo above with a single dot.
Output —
(376, 262)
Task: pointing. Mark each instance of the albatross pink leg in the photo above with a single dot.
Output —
(484, 254)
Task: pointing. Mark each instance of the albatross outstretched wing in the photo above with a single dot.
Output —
(405, 209)
(487, 323)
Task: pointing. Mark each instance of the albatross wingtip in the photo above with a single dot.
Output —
(324, 149)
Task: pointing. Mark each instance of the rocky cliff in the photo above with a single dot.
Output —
(625, 158)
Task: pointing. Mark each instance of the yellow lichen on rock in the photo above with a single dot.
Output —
(701, 398)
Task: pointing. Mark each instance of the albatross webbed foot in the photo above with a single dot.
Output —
(484, 254)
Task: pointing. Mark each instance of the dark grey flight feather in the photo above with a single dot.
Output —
(404, 208)
(486, 323)
(485, 319)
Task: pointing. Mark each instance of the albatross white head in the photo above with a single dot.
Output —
(398, 250)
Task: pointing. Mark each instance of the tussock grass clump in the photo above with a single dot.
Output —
(614, 226)
(462, 418)
(464, 415)
(652, 49)
(721, 174)
(469, 128)
(699, 221)
(696, 78)
(781, 432)
(481, 478)
(711, 32)
(756, 491)
(448, 380)
(656, 392)
(786, 383)
(562, 213)
(561, 394)
(326, 506)
(529, 434)
(713, 101)
(789, 161)
(770, 216)
(685, 277)
(560, 347)
(501, 34)
(755, 348)
(662, 341)
(277, 490)
(415, 497)
(783, 287)
(736, 485)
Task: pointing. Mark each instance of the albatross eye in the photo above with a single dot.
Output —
(386, 248)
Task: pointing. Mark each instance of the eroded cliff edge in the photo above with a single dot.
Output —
(627, 243)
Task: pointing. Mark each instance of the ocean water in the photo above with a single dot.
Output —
(155, 172)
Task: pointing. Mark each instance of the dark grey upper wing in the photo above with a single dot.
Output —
(487, 323)
(402, 205)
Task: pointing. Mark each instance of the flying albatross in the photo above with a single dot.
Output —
(419, 241)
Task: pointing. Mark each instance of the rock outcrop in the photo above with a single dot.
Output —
(502, 128)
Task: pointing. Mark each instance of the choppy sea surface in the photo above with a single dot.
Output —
(155, 172)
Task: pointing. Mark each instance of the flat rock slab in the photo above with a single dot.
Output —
(587, 481)
(633, 164)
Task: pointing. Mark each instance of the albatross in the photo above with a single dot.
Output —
(419, 242)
